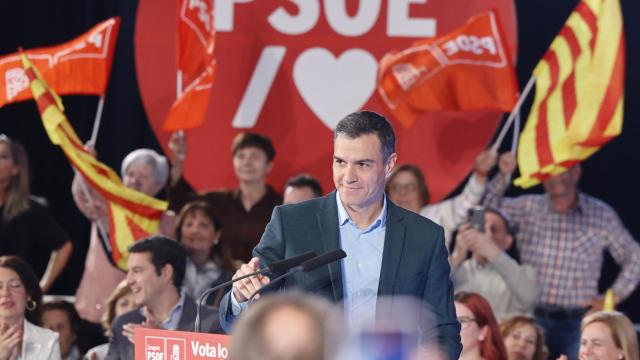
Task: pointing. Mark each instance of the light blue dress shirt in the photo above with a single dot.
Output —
(361, 267)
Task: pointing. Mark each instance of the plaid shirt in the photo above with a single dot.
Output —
(566, 249)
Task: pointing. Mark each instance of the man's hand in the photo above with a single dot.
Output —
(507, 163)
(485, 161)
(481, 244)
(10, 337)
(461, 251)
(243, 289)
(128, 331)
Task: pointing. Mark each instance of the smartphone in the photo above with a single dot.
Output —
(476, 217)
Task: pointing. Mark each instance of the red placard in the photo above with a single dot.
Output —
(292, 69)
(154, 344)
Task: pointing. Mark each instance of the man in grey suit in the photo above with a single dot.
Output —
(156, 270)
(390, 251)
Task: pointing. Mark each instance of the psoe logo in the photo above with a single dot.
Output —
(176, 349)
(154, 348)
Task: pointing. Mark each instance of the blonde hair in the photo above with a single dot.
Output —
(622, 331)
(17, 193)
(109, 313)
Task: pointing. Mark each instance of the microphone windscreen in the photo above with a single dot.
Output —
(286, 264)
(323, 259)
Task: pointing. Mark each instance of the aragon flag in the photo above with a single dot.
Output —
(132, 214)
(467, 69)
(578, 106)
(80, 66)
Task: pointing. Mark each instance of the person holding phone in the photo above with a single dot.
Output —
(485, 261)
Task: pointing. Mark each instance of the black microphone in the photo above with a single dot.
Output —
(273, 268)
(306, 266)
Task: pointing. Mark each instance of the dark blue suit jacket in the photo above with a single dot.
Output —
(414, 261)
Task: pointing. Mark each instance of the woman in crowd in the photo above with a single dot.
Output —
(120, 302)
(608, 335)
(209, 262)
(20, 306)
(61, 316)
(407, 188)
(523, 339)
(27, 229)
(479, 332)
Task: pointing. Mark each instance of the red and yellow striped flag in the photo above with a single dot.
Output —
(132, 214)
(578, 105)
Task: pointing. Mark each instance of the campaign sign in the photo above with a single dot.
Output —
(155, 344)
(291, 69)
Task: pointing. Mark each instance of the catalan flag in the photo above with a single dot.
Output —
(132, 214)
(578, 105)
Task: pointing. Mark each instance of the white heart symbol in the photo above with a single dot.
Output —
(334, 88)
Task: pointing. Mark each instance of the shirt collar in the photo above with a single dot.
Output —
(343, 215)
(171, 322)
(578, 206)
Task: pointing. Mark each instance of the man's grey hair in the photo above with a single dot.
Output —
(366, 122)
(158, 162)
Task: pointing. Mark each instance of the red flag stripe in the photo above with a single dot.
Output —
(569, 87)
(590, 18)
(610, 101)
(545, 155)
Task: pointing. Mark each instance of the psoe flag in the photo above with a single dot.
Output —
(80, 66)
(579, 99)
(196, 38)
(132, 214)
(189, 110)
(467, 69)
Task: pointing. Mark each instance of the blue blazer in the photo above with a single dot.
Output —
(414, 261)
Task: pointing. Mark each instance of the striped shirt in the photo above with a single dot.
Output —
(566, 249)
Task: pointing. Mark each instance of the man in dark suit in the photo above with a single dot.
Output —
(390, 251)
(156, 270)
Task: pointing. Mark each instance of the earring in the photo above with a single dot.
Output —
(620, 356)
(31, 305)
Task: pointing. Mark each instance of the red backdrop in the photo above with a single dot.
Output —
(322, 58)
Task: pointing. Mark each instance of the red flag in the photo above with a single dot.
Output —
(196, 38)
(188, 111)
(80, 66)
(467, 69)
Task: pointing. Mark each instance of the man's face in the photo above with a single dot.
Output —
(58, 321)
(295, 194)
(563, 184)
(251, 165)
(359, 171)
(142, 279)
(139, 176)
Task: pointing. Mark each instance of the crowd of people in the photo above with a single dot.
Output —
(524, 270)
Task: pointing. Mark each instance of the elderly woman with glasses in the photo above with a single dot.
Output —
(20, 306)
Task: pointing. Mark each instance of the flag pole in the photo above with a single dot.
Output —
(96, 121)
(512, 115)
(516, 133)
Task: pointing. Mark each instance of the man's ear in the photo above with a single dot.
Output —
(390, 163)
(167, 273)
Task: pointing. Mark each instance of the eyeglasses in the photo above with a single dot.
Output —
(466, 321)
(411, 187)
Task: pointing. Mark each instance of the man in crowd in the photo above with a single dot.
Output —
(156, 270)
(563, 234)
(390, 251)
(486, 261)
(301, 188)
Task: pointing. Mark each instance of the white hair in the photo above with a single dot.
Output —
(158, 162)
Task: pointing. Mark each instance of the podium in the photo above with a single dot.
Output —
(155, 344)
